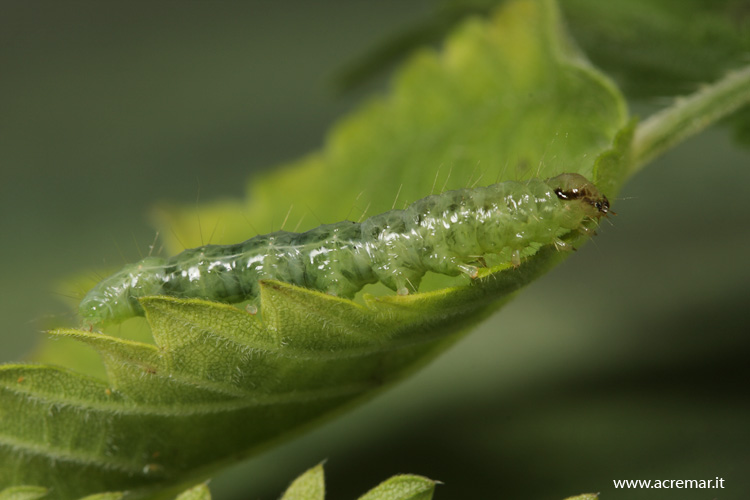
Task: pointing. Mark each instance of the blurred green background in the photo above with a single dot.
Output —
(637, 368)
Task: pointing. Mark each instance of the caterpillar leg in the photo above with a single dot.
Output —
(455, 265)
(561, 246)
(477, 261)
(399, 276)
(515, 258)
(586, 231)
(404, 285)
(471, 271)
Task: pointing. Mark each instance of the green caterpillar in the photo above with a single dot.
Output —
(447, 233)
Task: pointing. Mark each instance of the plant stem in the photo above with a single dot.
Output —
(689, 115)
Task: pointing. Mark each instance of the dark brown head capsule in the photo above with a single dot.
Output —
(576, 187)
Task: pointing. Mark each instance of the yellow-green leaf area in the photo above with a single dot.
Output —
(113, 495)
(507, 98)
(309, 486)
(23, 493)
(199, 492)
(403, 487)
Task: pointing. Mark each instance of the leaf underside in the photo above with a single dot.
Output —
(508, 98)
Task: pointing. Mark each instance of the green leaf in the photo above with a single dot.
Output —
(404, 487)
(661, 47)
(508, 98)
(653, 48)
(199, 492)
(585, 496)
(309, 486)
(23, 493)
(115, 495)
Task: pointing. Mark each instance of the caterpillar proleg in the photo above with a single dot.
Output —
(447, 234)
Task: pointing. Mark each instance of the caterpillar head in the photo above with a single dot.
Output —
(575, 187)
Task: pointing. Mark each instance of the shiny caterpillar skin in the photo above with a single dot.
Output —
(447, 234)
